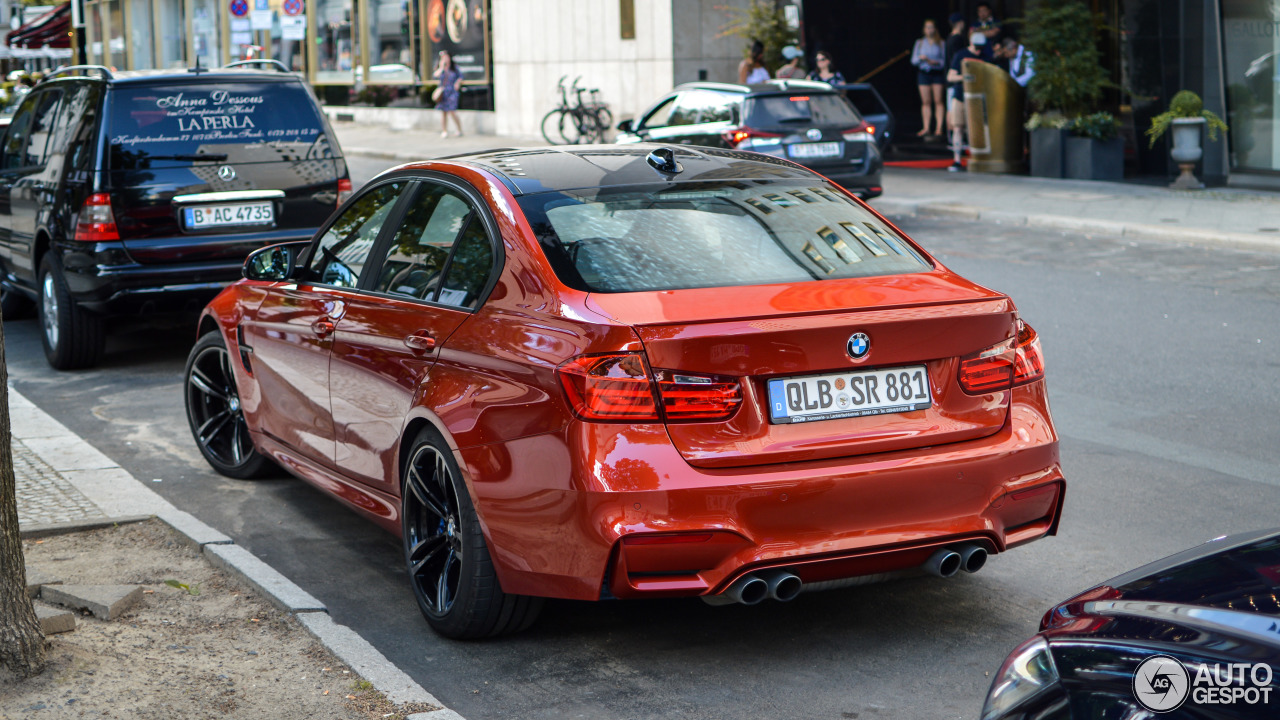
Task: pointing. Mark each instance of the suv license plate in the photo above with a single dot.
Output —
(210, 216)
(846, 395)
(815, 150)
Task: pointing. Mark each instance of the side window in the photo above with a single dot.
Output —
(15, 140)
(688, 109)
(417, 254)
(660, 117)
(344, 248)
(719, 108)
(469, 270)
(37, 151)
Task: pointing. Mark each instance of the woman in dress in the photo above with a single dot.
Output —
(929, 56)
(450, 79)
(752, 70)
(826, 71)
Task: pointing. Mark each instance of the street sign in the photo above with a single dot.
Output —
(292, 7)
(261, 16)
(239, 8)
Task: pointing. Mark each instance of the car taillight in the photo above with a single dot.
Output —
(344, 190)
(747, 139)
(619, 387)
(609, 387)
(1028, 360)
(862, 133)
(697, 397)
(95, 222)
(1013, 362)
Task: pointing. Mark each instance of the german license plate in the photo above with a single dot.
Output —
(815, 150)
(210, 216)
(849, 394)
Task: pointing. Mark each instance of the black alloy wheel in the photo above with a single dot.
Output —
(214, 412)
(448, 562)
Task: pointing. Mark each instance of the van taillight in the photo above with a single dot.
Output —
(619, 387)
(95, 222)
(344, 190)
(1013, 362)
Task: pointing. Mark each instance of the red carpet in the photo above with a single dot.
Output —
(926, 164)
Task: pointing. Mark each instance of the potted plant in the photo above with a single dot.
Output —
(1094, 150)
(1187, 116)
(1068, 82)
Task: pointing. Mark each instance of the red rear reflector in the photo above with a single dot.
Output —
(736, 137)
(1028, 361)
(800, 98)
(697, 397)
(344, 190)
(609, 387)
(871, 129)
(666, 539)
(95, 222)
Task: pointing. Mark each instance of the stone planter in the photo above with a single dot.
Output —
(1047, 150)
(1187, 151)
(1089, 159)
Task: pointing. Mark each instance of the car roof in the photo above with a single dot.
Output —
(547, 169)
(767, 87)
(139, 77)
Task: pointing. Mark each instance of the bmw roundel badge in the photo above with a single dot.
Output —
(859, 345)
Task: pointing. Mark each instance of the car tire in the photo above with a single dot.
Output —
(14, 305)
(73, 337)
(446, 557)
(214, 413)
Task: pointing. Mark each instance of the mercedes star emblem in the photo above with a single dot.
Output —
(227, 173)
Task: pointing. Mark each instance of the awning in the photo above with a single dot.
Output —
(49, 30)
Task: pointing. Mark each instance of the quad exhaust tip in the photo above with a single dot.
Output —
(755, 588)
(944, 563)
(972, 558)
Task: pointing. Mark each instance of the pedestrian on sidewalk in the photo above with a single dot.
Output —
(955, 76)
(826, 71)
(752, 70)
(450, 79)
(1022, 64)
(930, 56)
(791, 71)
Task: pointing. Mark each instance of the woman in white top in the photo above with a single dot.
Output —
(752, 70)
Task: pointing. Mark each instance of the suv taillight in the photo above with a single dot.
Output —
(1013, 362)
(344, 190)
(95, 222)
(745, 138)
(862, 133)
(619, 388)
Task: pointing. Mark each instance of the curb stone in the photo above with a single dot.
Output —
(114, 489)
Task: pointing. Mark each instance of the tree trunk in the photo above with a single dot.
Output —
(22, 646)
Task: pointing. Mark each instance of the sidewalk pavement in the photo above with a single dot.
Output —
(1229, 216)
(64, 484)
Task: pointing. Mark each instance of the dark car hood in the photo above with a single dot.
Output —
(1221, 596)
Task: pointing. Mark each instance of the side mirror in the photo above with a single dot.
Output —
(273, 263)
(627, 126)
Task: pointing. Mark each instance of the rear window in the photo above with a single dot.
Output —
(154, 125)
(819, 109)
(716, 234)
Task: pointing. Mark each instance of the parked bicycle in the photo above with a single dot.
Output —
(579, 122)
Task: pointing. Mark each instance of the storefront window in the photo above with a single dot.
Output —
(287, 43)
(141, 43)
(205, 26)
(391, 43)
(1251, 30)
(93, 34)
(116, 58)
(171, 19)
(335, 50)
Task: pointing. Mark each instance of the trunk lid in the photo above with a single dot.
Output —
(797, 330)
(257, 152)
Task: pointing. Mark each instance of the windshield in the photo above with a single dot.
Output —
(718, 234)
(819, 109)
(225, 122)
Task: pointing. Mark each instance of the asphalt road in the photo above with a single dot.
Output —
(1162, 368)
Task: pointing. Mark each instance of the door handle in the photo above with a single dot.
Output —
(322, 327)
(420, 341)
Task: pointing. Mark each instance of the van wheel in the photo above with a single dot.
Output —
(72, 336)
(14, 305)
(450, 570)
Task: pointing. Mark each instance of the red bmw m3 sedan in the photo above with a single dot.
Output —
(631, 372)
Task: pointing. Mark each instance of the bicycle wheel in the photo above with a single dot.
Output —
(571, 127)
(552, 124)
(604, 122)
